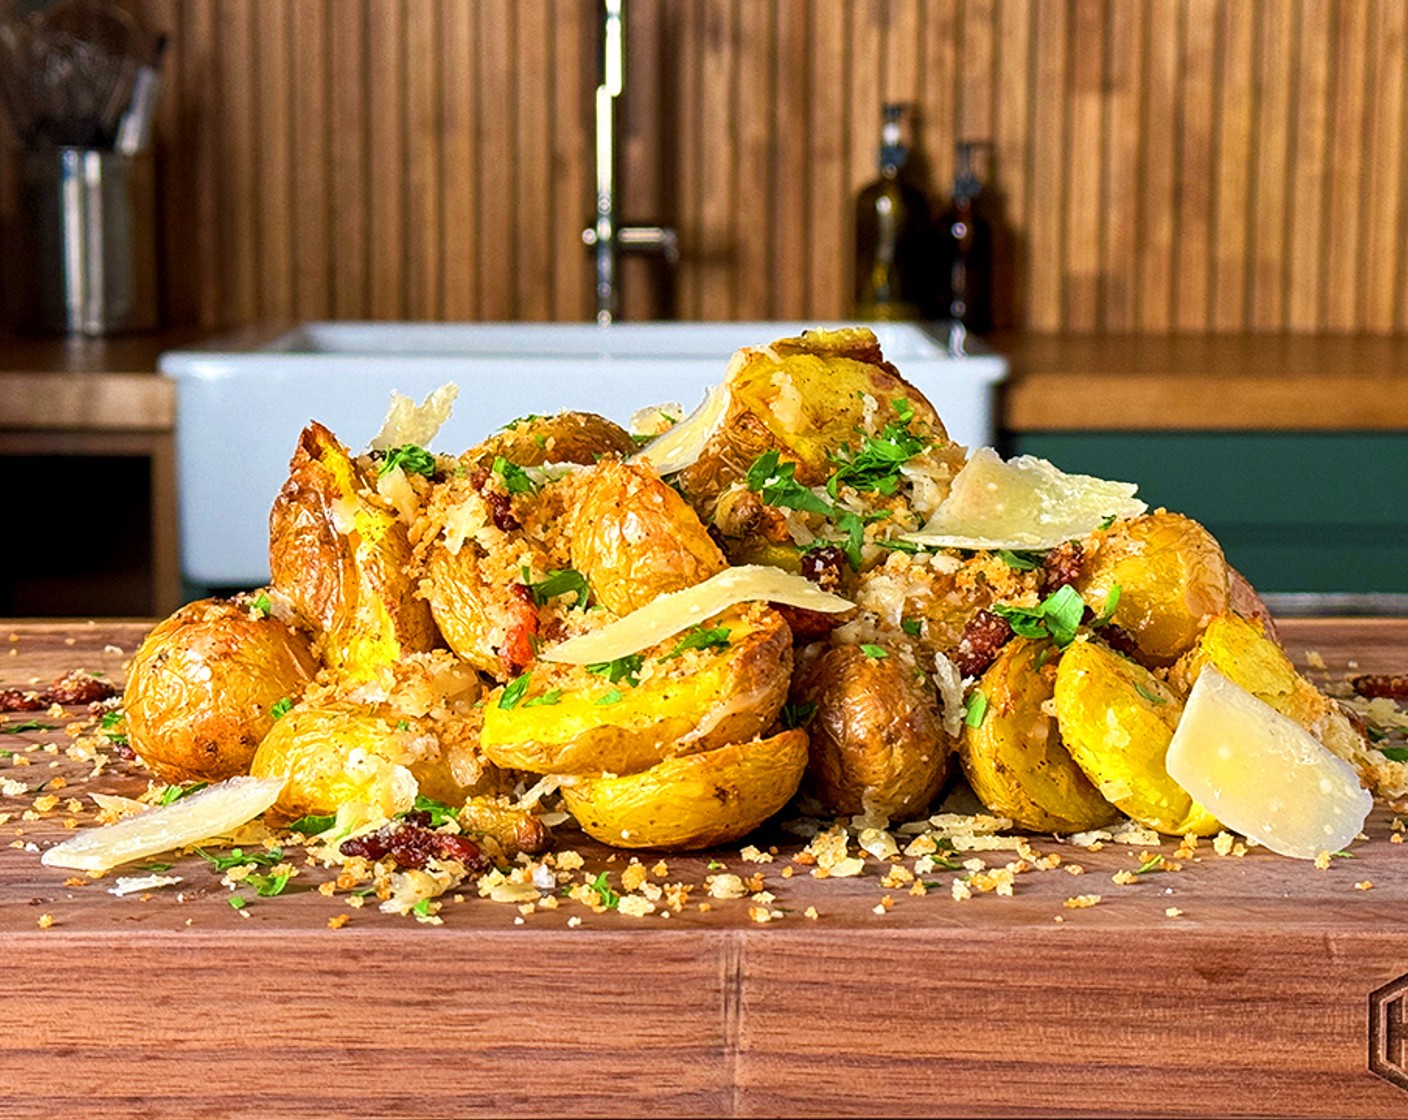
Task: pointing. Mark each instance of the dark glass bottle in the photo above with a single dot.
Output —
(966, 246)
(892, 222)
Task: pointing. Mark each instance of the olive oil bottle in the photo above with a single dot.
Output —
(965, 238)
(892, 227)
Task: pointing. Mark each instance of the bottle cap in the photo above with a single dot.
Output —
(893, 153)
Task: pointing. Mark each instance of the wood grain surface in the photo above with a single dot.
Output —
(1183, 165)
(1252, 1001)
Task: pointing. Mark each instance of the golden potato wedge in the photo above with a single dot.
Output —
(1172, 578)
(1015, 760)
(695, 801)
(700, 700)
(567, 437)
(878, 743)
(635, 538)
(1116, 719)
(340, 754)
(201, 685)
(803, 397)
(1242, 653)
(473, 615)
(343, 558)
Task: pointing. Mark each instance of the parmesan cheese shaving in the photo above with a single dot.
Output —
(1263, 774)
(1025, 503)
(408, 422)
(211, 812)
(677, 611)
(682, 445)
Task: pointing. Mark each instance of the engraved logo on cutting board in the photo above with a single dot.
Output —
(1388, 1032)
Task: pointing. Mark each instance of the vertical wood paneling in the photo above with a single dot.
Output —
(1160, 164)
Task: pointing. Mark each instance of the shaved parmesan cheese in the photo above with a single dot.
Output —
(136, 884)
(211, 812)
(672, 613)
(408, 422)
(682, 445)
(1263, 774)
(1026, 503)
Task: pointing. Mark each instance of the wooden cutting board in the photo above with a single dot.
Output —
(1255, 999)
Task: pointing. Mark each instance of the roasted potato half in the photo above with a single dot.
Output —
(201, 686)
(695, 801)
(1116, 720)
(635, 538)
(1172, 578)
(1015, 759)
(803, 397)
(567, 437)
(343, 558)
(338, 754)
(878, 743)
(568, 720)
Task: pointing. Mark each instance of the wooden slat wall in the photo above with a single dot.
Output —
(1164, 165)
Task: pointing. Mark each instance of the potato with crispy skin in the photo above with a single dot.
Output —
(634, 538)
(567, 437)
(201, 686)
(1172, 578)
(562, 719)
(342, 556)
(1117, 720)
(803, 397)
(1014, 757)
(877, 741)
(695, 801)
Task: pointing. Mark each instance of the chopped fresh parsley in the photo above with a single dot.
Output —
(313, 824)
(853, 525)
(614, 696)
(621, 669)
(912, 626)
(175, 793)
(403, 725)
(875, 467)
(110, 720)
(697, 637)
(1153, 863)
(238, 857)
(280, 708)
(564, 581)
(513, 692)
(609, 898)
(1107, 612)
(421, 908)
(1057, 617)
(1107, 522)
(1020, 560)
(1152, 697)
(516, 479)
(236, 902)
(262, 604)
(776, 483)
(977, 710)
(798, 714)
(29, 725)
(156, 867)
(440, 813)
(1395, 754)
(897, 544)
(903, 410)
(716, 865)
(547, 700)
(267, 886)
(512, 424)
(411, 459)
(879, 653)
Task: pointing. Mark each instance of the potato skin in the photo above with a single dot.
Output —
(635, 538)
(1172, 578)
(201, 684)
(695, 801)
(878, 743)
(1119, 737)
(337, 753)
(567, 437)
(1015, 760)
(343, 558)
(693, 705)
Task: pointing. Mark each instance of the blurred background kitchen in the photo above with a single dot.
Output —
(1197, 259)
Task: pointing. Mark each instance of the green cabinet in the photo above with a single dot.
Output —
(1295, 511)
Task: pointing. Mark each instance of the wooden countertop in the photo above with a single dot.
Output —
(1068, 382)
(1253, 1000)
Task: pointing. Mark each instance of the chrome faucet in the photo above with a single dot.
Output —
(604, 237)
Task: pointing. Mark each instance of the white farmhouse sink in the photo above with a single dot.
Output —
(239, 412)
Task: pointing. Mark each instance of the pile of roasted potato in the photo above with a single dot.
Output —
(405, 646)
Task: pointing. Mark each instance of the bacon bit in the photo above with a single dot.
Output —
(16, 700)
(1060, 567)
(517, 651)
(1373, 686)
(984, 635)
(411, 844)
(1119, 639)
(80, 688)
(825, 567)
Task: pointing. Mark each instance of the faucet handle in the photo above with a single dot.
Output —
(649, 239)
